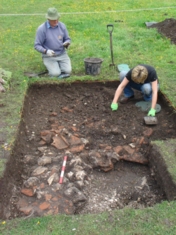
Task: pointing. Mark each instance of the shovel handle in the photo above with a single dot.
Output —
(110, 28)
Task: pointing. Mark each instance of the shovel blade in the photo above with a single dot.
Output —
(112, 65)
(150, 120)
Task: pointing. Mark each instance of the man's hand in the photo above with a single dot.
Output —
(151, 112)
(114, 106)
(66, 44)
(50, 52)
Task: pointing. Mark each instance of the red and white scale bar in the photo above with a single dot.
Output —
(63, 170)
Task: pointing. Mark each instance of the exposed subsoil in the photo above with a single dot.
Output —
(107, 166)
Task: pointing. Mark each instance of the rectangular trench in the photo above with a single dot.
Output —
(109, 153)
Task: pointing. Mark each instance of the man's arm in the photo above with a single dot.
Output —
(66, 37)
(39, 40)
(152, 111)
(119, 90)
(154, 94)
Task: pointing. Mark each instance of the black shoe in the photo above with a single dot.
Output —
(64, 75)
(125, 100)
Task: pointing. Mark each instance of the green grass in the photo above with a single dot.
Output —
(133, 43)
(151, 221)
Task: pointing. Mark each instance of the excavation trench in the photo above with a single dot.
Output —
(108, 153)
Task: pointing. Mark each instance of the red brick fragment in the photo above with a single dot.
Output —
(148, 132)
(66, 109)
(53, 114)
(44, 205)
(128, 149)
(48, 197)
(42, 142)
(118, 149)
(28, 192)
(136, 157)
(74, 140)
(45, 132)
(26, 210)
(59, 142)
(73, 128)
(77, 149)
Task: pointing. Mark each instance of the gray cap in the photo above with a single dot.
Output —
(52, 14)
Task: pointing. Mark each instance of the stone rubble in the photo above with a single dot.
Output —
(42, 194)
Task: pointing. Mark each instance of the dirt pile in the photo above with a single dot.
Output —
(167, 28)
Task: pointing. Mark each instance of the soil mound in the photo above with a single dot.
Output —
(167, 28)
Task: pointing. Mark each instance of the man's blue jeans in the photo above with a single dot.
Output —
(146, 88)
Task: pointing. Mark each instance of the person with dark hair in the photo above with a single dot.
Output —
(52, 40)
(142, 78)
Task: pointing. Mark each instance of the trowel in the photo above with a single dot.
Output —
(150, 120)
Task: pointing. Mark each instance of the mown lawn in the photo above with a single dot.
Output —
(87, 23)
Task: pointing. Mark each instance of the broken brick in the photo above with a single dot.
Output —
(128, 149)
(59, 142)
(28, 192)
(66, 109)
(77, 149)
(148, 132)
(53, 114)
(74, 140)
(136, 157)
(45, 132)
(48, 197)
(118, 149)
(44, 205)
(26, 210)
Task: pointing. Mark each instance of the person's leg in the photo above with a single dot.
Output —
(146, 90)
(64, 63)
(52, 66)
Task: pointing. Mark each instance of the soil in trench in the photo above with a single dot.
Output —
(107, 151)
(107, 165)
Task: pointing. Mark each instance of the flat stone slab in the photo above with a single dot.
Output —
(148, 24)
(123, 67)
(146, 105)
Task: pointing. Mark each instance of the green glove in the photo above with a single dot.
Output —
(114, 106)
(152, 112)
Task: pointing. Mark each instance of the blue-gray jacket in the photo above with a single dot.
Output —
(51, 38)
